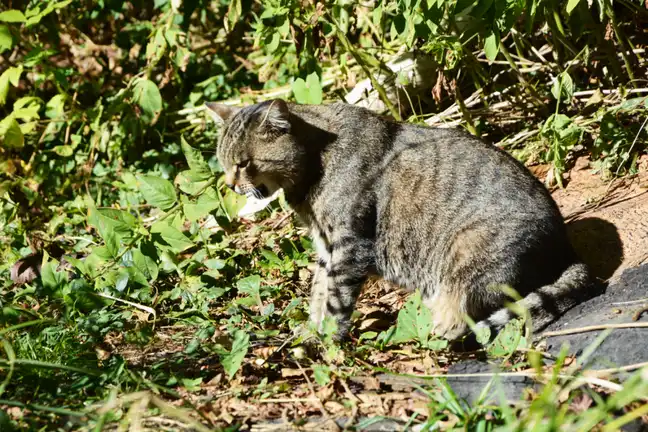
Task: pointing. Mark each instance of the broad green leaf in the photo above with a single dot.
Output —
(64, 150)
(232, 361)
(6, 40)
(157, 191)
(563, 87)
(173, 237)
(189, 184)
(199, 168)
(250, 285)
(271, 256)
(11, 134)
(234, 12)
(145, 264)
(121, 279)
(120, 221)
(309, 91)
(509, 339)
(414, 321)
(206, 202)
(34, 15)
(314, 88)
(55, 106)
(147, 95)
(52, 279)
(233, 203)
(12, 16)
(156, 46)
(11, 75)
(322, 374)
(112, 243)
(571, 5)
(491, 45)
(191, 385)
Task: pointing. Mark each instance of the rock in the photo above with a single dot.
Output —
(470, 388)
(620, 303)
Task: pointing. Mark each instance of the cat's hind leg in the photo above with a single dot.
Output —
(448, 312)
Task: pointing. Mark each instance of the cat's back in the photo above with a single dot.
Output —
(453, 170)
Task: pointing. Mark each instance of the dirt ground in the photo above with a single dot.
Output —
(607, 220)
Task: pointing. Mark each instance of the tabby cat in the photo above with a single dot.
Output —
(433, 209)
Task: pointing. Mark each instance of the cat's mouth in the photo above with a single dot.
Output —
(259, 192)
(263, 190)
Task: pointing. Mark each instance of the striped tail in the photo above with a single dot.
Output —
(545, 304)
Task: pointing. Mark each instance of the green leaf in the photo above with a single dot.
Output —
(509, 339)
(205, 203)
(491, 45)
(563, 87)
(145, 264)
(11, 75)
(6, 40)
(414, 321)
(63, 150)
(34, 15)
(250, 285)
(52, 279)
(147, 95)
(55, 106)
(199, 168)
(309, 91)
(120, 221)
(271, 256)
(232, 361)
(12, 16)
(571, 5)
(234, 12)
(156, 46)
(192, 385)
(112, 243)
(189, 184)
(157, 191)
(12, 136)
(322, 374)
(173, 237)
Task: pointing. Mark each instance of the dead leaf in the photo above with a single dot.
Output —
(27, 269)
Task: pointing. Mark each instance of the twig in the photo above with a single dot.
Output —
(288, 400)
(282, 220)
(611, 371)
(318, 401)
(631, 302)
(594, 328)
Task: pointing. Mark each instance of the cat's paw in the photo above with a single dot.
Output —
(448, 325)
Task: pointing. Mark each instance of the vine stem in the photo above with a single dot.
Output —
(374, 82)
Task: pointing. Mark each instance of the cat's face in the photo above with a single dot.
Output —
(256, 149)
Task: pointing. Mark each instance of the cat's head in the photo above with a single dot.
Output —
(256, 148)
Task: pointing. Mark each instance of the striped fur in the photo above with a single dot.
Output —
(433, 209)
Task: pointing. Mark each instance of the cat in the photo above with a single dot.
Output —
(431, 209)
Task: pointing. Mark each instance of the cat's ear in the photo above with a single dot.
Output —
(276, 116)
(221, 113)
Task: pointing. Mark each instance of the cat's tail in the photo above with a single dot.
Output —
(547, 303)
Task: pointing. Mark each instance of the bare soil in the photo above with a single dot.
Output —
(607, 219)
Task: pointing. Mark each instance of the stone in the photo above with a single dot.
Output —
(621, 302)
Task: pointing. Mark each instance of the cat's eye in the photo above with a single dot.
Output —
(243, 164)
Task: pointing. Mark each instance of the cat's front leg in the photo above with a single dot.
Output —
(319, 294)
(351, 261)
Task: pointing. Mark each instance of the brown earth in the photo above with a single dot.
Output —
(607, 220)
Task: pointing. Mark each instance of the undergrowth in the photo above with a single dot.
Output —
(132, 296)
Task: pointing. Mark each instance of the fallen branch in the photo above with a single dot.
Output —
(595, 328)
